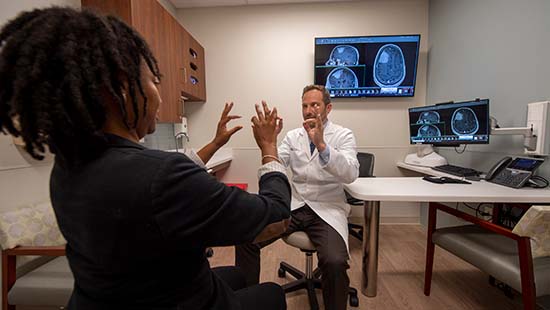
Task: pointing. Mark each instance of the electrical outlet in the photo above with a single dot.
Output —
(180, 128)
(184, 128)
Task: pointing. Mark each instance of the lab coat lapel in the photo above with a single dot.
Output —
(304, 143)
(329, 131)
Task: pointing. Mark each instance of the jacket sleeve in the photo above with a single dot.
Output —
(343, 163)
(193, 209)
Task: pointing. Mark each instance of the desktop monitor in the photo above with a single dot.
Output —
(368, 66)
(450, 124)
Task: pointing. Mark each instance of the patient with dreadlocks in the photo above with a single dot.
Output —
(137, 221)
(61, 66)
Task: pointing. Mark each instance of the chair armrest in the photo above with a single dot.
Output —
(355, 202)
(36, 250)
(9, 266)
(352, 200)
(474, 220)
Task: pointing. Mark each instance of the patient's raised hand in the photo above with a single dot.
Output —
(222, 133)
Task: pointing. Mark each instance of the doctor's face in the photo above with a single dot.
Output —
(312, 105)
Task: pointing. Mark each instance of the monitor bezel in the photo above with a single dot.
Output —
(453, 144)
(372, 36)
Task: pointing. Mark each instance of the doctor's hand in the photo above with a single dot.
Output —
(265, 126)
(222, 133)
(314, 129)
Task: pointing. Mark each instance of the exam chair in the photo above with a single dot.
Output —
(366, 169)
(43, 281)
(519, 257)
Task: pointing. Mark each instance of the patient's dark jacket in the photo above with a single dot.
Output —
(137, 223)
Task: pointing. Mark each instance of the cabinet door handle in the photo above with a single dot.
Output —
(184, 75)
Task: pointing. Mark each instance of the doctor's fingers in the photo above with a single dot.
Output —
(309, 123)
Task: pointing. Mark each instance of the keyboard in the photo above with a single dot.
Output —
(456, 170)
(443, 180)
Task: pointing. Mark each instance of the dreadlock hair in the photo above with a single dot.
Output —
(56, 66)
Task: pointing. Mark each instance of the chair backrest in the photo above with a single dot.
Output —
(366, 169)
(366, 164)
(28, 280)
(535, 224)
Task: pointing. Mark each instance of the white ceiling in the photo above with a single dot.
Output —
(181, 4)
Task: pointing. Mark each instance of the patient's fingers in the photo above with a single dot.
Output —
(259, 113)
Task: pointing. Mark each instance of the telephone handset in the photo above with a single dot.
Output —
(498, 167)
(513, 172)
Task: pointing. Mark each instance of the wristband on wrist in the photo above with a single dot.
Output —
(273, 157)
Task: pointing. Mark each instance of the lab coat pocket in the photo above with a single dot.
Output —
(299, 161)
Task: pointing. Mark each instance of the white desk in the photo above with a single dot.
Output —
(428, 170)
(425, 170)
(375, 190)
(220, 160)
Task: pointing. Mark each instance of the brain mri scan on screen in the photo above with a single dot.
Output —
(464, 122)
(367, 66)
(343, 55)
(389, 66)
(342, 77)
(429, 131)
(429, 117)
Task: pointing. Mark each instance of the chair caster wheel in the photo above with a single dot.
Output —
(354, 301)
(209, 252)
(281, 272)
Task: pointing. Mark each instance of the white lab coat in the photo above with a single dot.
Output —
(321, 187)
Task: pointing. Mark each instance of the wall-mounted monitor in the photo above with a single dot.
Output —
(369, 66)
(450, 124)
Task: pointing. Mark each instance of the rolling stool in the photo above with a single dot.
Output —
(310, 280)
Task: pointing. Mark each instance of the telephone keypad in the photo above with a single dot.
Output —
(512, 178)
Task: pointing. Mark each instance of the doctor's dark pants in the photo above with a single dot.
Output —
(331, 251)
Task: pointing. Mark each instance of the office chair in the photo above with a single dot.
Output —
(366, 169)
(310, 280)
(519, 257)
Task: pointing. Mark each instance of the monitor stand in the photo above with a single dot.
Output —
(425, 156)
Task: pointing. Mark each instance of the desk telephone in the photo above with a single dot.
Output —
(515, 172)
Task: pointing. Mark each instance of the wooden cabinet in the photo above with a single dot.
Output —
(179, 55)
(195, 54)
(192, 67)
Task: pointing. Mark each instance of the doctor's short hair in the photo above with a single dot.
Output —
(321, 88)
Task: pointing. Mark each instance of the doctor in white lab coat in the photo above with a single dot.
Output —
(322, 157)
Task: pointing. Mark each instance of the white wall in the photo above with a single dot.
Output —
(266, 52)
(9, 9)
